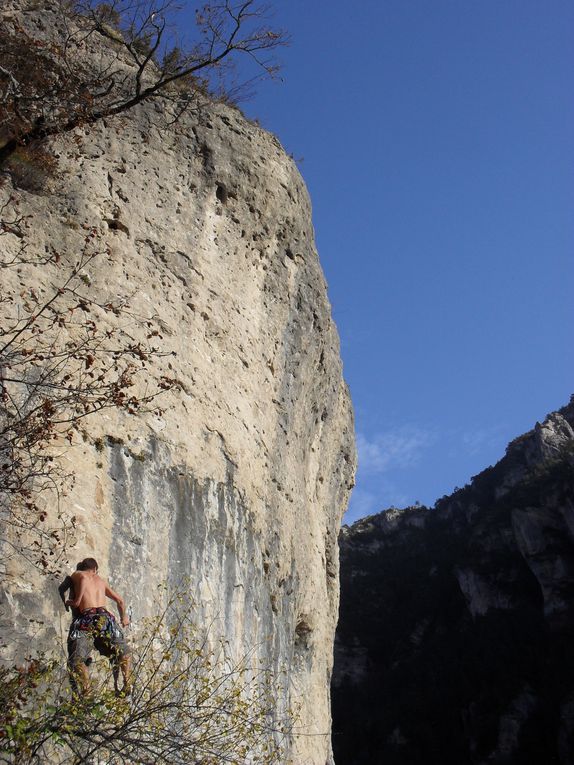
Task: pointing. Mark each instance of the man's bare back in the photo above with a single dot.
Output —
(91, 592)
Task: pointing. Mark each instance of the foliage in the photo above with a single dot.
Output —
(51, 83)
(61, 361)
(32, 166)
(191, 703)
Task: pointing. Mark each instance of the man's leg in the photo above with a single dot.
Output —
(78, 654)
(115, 673)
(125, 663)
(120, 659)
(80, 679)
(71, 673)
(114, 646)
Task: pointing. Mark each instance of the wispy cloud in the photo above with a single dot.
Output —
(392, 449)
(362, 503)
(483, 439)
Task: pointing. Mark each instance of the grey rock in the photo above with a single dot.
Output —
(240, 484)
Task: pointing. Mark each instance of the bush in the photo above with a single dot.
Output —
(31, 167)
(191, 703)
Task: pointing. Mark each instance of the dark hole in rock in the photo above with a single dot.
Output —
(117, 225)
(302, 634)
(221, 193)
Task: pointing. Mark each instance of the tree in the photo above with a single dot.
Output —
(50, 85)
(192, 703)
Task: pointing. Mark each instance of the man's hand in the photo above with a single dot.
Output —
(71, 603)
(125, 620)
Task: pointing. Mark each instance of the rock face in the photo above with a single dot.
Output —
(456, 626)
(241, 483)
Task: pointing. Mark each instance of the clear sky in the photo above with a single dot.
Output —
(436, 139)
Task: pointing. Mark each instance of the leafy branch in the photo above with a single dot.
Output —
(192, 702)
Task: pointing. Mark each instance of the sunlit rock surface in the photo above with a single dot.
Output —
(239, 485)
(455, 637)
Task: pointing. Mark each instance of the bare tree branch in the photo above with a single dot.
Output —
(49, 85)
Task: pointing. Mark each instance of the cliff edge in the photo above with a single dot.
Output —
(238, 486)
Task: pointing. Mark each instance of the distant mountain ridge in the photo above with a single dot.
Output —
(454, 642)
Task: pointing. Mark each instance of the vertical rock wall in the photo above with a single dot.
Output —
(241, 482)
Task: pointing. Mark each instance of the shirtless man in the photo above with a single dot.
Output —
(95, 627)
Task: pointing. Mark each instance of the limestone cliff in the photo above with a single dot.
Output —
(241, 483)
(454, 642)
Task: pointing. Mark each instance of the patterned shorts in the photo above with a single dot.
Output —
(95, 628)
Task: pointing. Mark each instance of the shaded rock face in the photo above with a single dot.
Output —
(454, 643)
(240, 484)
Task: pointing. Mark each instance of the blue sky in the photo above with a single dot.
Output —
(436, 139)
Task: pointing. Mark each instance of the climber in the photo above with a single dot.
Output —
(66, 585)
(95, 627)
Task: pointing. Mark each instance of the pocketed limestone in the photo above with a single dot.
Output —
(239, 485)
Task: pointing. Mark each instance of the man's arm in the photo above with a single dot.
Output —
(66, 585)
(78, 588)
(121, 605)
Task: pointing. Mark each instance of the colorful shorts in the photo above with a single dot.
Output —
(95, 628)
